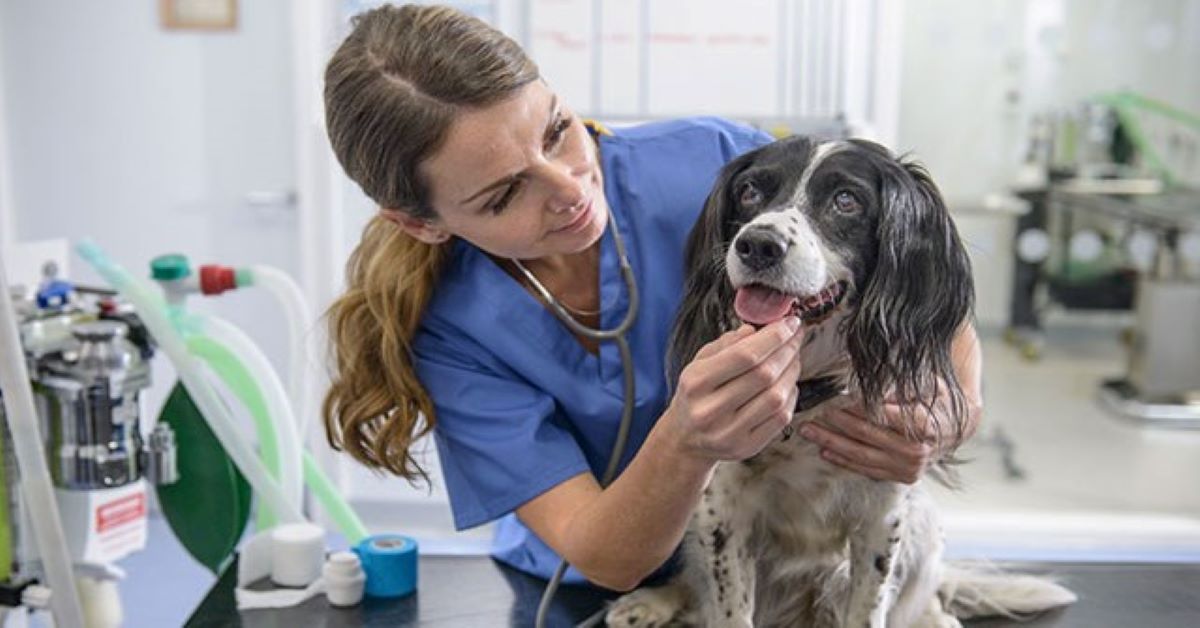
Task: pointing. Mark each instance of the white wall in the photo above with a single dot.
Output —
(151, 141)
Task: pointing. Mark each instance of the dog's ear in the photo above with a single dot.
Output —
(704, 311)
(917, 298)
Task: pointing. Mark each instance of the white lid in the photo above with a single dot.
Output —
(342, 564)
(298, 533)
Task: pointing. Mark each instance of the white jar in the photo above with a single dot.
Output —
(297, 554)
(344, 579)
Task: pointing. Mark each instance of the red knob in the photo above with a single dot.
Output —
(216, 279)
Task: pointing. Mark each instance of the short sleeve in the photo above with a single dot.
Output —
(738, 137)
(501, 441)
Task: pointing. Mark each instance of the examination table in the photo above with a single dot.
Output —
(477, 592)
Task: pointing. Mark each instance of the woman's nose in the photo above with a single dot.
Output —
(567, 190)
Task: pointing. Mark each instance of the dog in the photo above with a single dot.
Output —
(857, 243)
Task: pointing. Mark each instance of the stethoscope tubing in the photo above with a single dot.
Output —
(616, 334)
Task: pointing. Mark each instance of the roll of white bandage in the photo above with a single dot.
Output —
(297, 554)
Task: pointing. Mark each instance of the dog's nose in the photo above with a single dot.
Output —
(760, 248)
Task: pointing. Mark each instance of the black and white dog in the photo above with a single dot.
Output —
(860, 246)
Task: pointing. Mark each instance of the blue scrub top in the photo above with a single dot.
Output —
(521, 405)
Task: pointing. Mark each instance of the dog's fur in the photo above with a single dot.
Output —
(785, 538)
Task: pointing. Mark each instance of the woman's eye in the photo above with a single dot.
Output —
(557, 132)
(749, 195)
(500, 203)
(846, 202)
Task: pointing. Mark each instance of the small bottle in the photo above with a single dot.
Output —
(344, 579)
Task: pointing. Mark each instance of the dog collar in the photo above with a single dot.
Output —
(813, 392)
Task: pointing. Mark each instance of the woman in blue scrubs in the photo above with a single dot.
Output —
(475, 162)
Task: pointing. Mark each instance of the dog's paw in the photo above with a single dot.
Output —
(938, 619)
(947, 621)
(643, 608)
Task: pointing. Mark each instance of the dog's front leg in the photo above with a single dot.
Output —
(720, 562)
(873, 547)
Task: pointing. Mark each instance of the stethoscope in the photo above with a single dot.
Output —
(616, 334)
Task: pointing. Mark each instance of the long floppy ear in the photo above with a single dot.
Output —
(705, 311)
(917, 298)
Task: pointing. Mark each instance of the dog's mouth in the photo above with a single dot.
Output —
(761, 305)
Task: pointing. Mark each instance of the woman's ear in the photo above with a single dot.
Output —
(424, 230)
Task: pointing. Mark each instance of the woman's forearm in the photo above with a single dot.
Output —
(968, 366)
(635, 524)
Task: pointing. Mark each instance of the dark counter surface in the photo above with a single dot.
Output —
(452, 591)
(477, 592)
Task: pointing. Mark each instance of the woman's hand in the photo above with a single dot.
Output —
(900, 450)
(910, 439)
(738, 393)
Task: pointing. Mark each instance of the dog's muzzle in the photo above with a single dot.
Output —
(760, 248)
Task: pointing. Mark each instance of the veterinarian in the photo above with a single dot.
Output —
(492, 190)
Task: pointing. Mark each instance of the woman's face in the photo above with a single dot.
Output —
(518, 179)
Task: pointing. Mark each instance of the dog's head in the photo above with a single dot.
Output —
(842, 234)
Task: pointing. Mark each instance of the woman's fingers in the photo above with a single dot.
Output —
(737, 392)
(850, 440)
(875, 473)
(744, 354)
(741, 434)
(765, 415)
(724, 340)
(913, 421)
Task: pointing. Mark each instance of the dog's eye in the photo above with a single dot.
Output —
(749, 195)
(846, 202)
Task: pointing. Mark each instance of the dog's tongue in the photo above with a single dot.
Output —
(758, 305)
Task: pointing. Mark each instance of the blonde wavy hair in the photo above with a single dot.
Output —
(392, 89)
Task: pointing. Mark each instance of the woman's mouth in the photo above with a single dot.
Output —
(580, 221)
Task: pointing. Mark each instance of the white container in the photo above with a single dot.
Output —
(297, 553)
(344, 579)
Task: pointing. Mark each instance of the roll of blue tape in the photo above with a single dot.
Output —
(390, 563)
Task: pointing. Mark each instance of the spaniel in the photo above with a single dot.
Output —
(859, 245)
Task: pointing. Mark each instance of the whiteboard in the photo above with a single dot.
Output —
(755, 60)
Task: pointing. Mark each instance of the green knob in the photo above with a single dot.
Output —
(169, 267)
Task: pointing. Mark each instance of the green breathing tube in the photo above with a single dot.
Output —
(235, 375)
(230, 369)
(249, 375)
(225, 364)
(153, 313)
